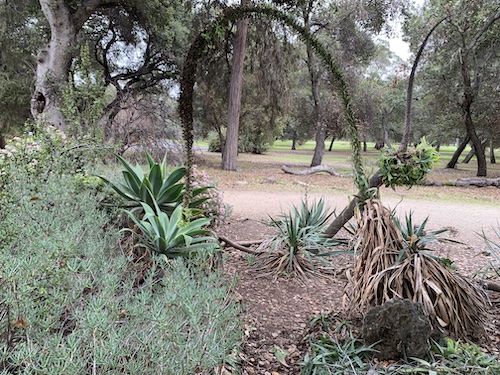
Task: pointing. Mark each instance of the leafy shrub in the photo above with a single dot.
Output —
(335, 348)
(408, 168)
(70, 304)
(215, 145)
(391, 263)
(492, 269)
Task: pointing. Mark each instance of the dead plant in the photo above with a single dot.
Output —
(389, 265)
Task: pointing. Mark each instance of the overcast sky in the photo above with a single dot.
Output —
(397, 45)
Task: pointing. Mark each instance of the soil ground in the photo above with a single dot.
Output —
(277, 313)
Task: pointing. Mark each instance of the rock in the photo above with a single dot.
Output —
(401, 326)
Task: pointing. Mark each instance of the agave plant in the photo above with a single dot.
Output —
(157, 185)
(298, 240)
(170, 235)
(415, 238)
(492, 269)
(390, 264)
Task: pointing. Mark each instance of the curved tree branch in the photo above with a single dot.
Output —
(376, 180)
(409, 92)
(211, 33)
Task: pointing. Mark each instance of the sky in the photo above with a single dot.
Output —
(396, 44)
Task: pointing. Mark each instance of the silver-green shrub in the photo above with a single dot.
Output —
(68, 301)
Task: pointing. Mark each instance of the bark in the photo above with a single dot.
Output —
(230, 151)
(385, 131)
(316, 169)
(461, 147)
(468, 99)
(492, 152)
(490, 285)
(470, 91)
(331, 144)
(472, 152)
(54, 60)
(294, 140)
(409, 91)
(2, 141)
(465, 182)
(348, 212)
(319, 149)
(237, 246)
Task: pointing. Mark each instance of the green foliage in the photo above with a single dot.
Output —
(213, 207)
(155, 187)
(42, 152)
(415, 238)
(334, 348)
(172, 236)
(69, 298)
(298, 241)
(84, 101)
(408, 168)
(301, 229)
(208, 36)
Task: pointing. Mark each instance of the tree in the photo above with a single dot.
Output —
(264, 102)
(134, 50)
(19, 40)
(319, 149)
(462, 56)
(54, 60)
(229, 155)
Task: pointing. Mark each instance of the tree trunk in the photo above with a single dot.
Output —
(492, 152)
(348, 212)
(316, 169)
(294, 140)
(331, 144)
(2, 141)
(376, 180)
(468, 99)
(473, 152)
(54, 60)
(387, 141)
(461, 147)
(319, 149)
(230, 151)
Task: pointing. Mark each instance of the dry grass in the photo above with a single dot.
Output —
(385, 269)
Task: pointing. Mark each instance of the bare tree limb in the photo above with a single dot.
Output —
(237, 246)
(490, 285)
(376, 180)
(478, 182)
(316, 169)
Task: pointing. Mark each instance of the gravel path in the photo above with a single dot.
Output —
(465, 220)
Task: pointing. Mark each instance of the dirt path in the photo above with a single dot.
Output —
(277, 313)
(465, 220)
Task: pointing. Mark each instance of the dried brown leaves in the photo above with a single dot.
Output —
(452, 302)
